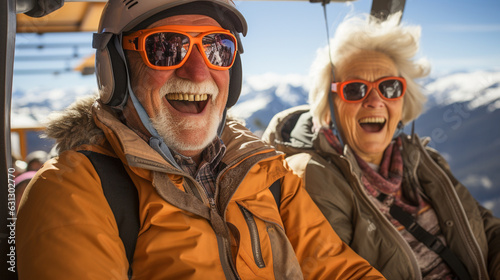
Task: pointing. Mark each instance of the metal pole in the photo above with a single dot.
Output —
(7, 45)
(381, 9)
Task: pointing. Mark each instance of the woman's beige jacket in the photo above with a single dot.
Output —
(333, 181)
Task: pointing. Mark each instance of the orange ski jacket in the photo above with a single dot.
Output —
(66, 229)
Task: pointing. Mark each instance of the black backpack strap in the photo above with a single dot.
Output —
(275, 189)
(122, 197)
(431, 241)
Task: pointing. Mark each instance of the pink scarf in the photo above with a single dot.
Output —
(388, 179)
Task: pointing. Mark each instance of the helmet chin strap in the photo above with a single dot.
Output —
(334, 126)
(399, 130)
(222, 123)
(156, 141)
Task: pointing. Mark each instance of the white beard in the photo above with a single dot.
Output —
(168, 127)
(165, 126)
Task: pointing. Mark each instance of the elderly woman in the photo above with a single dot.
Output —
(387, 195)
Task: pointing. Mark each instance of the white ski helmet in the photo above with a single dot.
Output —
(121, 16)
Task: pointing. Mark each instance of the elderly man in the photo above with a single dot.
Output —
(206, 200)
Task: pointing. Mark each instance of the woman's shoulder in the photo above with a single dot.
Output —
(281, 125)
(421, 144)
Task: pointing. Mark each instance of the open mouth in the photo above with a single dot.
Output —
(372, 124)
(188, 103)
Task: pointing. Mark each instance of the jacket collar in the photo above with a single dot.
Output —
(288, 130)
(88, 122)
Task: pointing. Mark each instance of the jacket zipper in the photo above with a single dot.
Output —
(254, 237)
(406, 248)
(217, 182)
(462, 222)
(226, 246)
(227, 265)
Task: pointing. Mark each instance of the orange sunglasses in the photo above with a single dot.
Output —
(168, 47)
(353, 91)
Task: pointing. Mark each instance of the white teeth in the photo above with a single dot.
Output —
(186, 97)
(372, 120)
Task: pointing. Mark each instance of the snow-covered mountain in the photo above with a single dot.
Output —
(31, 107)
(462, 118)
(477, 89)
(264, 96)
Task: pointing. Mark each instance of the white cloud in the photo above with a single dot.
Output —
(478, 181)
(492, 107)
(247, 108)
(490, 204)
(446, 156)
(20, 120)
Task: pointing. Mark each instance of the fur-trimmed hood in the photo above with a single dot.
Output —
(74, 126)
(88, 122)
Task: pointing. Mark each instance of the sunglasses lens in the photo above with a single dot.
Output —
(166, 48)
(391, 88)
(219, 49)
(354, 91)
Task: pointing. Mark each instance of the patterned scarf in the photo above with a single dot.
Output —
(388, 181)
(389, 176)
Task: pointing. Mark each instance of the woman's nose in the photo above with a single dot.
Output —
(373, 99)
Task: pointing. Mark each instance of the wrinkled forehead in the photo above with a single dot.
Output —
(194, 20)
(367, 65)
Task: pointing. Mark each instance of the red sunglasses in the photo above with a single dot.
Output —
(353, 91)
(168, 47)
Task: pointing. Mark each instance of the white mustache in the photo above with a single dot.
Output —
(178, 85)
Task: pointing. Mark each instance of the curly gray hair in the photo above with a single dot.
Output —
(397, 41)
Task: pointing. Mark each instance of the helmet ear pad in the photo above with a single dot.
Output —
(235, 82)
(111, 75)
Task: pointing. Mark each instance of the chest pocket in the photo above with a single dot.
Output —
(254, 237)
(263, 247)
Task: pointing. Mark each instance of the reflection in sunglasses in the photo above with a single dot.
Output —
(392, 90)
(169, 49)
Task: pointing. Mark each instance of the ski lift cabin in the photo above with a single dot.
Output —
(49, 16)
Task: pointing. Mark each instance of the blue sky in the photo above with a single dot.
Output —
(283, 37)
(456, 35)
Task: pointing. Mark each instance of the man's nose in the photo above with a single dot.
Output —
(195, 68)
